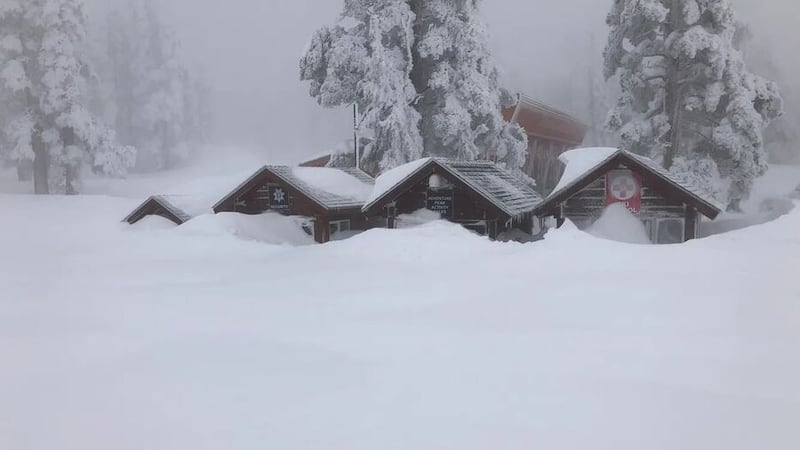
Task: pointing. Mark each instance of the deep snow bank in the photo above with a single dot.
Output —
(423, 338)
(269, 228)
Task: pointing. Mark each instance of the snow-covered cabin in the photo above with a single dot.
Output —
(331, 199)
(550, 133)
(188, 200)
(479, 195)
(595, 178)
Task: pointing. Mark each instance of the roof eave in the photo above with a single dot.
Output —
(369, 206)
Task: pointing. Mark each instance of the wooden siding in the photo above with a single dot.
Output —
(590, 202)
(542, 163)
(255, 200)
(153, 208)
(468, 207)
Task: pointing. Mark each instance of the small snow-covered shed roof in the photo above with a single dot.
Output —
(330, 188)
(585, 165)
(497, 186)
(190, 200)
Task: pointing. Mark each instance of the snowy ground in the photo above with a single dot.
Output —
(423, 338)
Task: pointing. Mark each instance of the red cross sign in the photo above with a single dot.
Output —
(624, 186)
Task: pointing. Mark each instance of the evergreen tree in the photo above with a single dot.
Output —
(685, 89)
(47, 72)
(422, 74)
(156, 102)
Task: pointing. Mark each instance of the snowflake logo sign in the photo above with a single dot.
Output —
(279, 199)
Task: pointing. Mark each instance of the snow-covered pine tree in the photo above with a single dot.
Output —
(156, 100)
(15, 123)
(425, 67)
(458, 82)
(366, 59)
(54, 128)
(685, 89)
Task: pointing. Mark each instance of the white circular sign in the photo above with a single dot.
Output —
(624, 187)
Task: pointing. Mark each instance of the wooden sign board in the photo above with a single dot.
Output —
(441, 201)
(278, 198)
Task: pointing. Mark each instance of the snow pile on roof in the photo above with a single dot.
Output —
(332, 188)
(269, 228)
(617, 223)
(388, 180)
(334, 181)
(198, 197)
(580, 161)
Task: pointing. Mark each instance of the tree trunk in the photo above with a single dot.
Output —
(72, 168)
(674, 99)
(41, 163)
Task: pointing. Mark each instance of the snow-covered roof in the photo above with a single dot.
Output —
(193, 199)
(495, 184)
(582, 162)
(331, 188)
(388, 180)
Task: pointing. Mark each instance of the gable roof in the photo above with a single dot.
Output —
(545, 122)
(330, 188)
(584, 166)
(196, 198)
(494, 184)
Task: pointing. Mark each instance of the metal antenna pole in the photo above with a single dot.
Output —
(355, 136)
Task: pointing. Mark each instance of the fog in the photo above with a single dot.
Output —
(248, 51)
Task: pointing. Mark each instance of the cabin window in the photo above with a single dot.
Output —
(670, 231)
(308, 227)
(339, 226)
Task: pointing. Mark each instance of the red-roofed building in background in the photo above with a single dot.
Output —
(550, 133)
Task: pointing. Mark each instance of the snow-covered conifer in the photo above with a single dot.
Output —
(423, 75)
(157, 103)
(366, 59)
(685, 89)
(53, 127)
(459, 84)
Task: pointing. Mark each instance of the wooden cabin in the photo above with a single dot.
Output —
(171, 207)
(194, 199)
(331, 199)
(550, 133)
(479, 195)
(669, 208)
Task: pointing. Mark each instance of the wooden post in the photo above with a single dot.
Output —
(690, 224)
(491, 229)
(391, 221)
(322, 230)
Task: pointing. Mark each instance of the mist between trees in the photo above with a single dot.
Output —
(446, 66)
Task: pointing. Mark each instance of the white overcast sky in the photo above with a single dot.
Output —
(249, 51)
